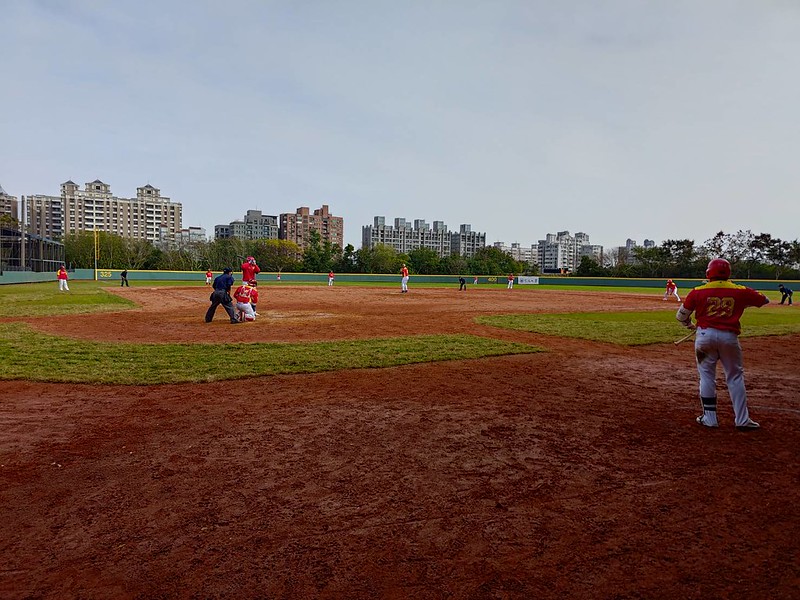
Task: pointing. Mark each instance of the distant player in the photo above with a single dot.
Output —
(786, 293)
(249, 270)
(672, 290)
(462, 284)
(718, 305)
(62, 279)
(404, 279)
(475, 281)
(510, 281)
(209, 275)
(245, 295)
(330, 278)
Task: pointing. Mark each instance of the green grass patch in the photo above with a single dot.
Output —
(29, 355)
(42, 299)
(638, 328)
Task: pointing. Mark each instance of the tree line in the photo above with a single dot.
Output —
(751, 256)
(117, 252)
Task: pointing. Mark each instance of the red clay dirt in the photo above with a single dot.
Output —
(578, 472)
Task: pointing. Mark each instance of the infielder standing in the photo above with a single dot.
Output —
(62, 277)
(330, 278)
(672, 290)
(404, 279)
(718, 305)
(510, 281)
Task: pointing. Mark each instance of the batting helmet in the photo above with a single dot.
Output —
(719, 268)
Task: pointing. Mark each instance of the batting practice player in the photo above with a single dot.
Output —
(718, 305)
(672, 290)
(246, 295)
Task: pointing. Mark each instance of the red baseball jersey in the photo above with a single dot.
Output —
(62, 274)
(249, 271)
(244, 294)
(671, 286)
(720, 304)
(404, 272)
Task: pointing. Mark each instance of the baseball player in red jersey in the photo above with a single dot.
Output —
(510, 281)
(209, 275)
(718, 306)
(330, 278)
(672, 290)
(404, 279)
(62, 277)
(246, 295)
(249, 270)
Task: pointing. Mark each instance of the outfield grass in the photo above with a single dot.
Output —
(29, 355)
(639, 328)
(42, 299)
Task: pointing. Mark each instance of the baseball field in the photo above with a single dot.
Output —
(355, 442)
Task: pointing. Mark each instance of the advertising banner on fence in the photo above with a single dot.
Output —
(528, 280)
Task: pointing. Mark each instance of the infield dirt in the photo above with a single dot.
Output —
(578, 472)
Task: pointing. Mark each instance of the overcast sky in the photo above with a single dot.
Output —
(659, 119)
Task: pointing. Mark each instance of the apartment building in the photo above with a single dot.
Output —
(526, 254)
(405, 237)
(297, 226)
(254, 226)
(562, 252)
(148, 216)
(8, 204)
(189, 236)
(466, 242)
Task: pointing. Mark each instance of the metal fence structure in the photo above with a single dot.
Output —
(37, 254)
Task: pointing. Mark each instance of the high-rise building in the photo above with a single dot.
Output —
(254, 226)
(8, 204)
(562, 252)
(405, 239)
(297, 227)
(526, 254)
(148, 216)
(466, 242)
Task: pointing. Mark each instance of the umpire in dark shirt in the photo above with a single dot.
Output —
(222, 295)
(786, 293)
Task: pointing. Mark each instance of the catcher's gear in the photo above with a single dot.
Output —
(719, 268)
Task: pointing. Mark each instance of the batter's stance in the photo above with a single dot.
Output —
(718, 305)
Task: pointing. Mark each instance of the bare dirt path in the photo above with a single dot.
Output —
(578, 472)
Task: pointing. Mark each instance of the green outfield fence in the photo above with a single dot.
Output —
(112, 275)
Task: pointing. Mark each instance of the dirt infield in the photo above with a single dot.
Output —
(574, 473)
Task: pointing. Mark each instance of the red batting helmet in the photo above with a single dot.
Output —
(719, 268)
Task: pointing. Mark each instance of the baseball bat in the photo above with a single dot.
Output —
(684, 338)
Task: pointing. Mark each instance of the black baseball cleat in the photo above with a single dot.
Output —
(749, 426)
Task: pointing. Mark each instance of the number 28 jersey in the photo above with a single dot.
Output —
(720, 304)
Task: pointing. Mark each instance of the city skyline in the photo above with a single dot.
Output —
(662, 120)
